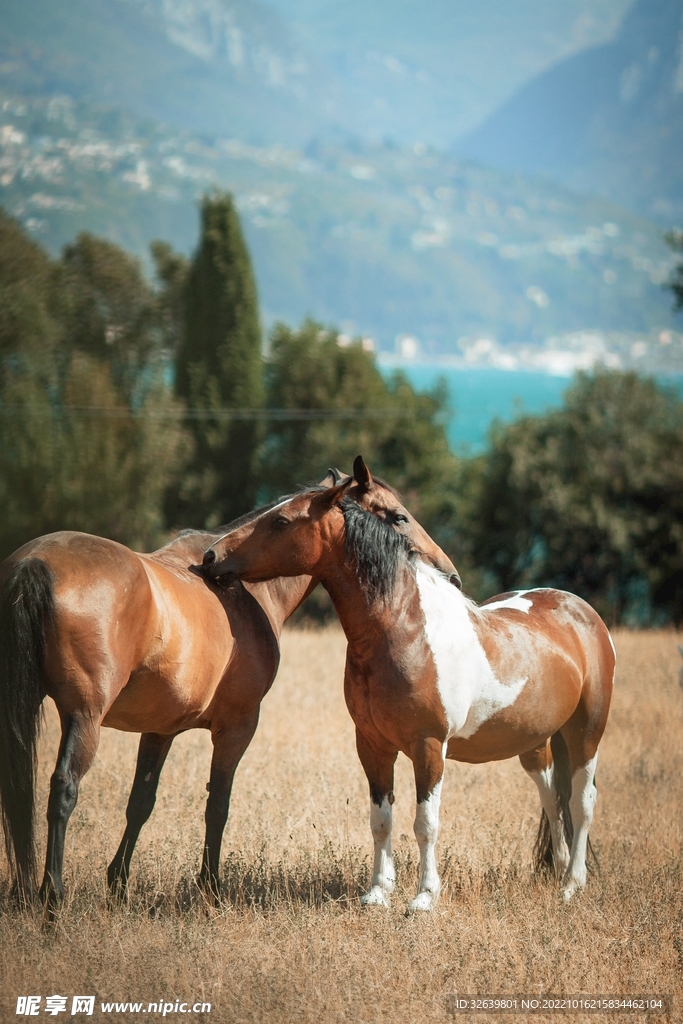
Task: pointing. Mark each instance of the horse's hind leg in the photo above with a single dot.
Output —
(151, 756)
(581, 804)
(582, 734)
(540, 767)
(80, 738)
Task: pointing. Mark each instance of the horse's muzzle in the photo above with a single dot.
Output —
(210, 571)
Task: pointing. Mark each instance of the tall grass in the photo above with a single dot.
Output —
(289, 941)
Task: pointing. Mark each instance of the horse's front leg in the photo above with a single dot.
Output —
(231, 736)
(427, 756)
(152, 753)
(378, 763)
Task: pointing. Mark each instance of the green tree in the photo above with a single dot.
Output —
(111, 311)
(90, 431)
(30, 311)
(171, 270)
(74, 458)
(675, 241)
(219, 367)
(397, 430)
(588, 498)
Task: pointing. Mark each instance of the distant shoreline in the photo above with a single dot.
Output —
(478, 395)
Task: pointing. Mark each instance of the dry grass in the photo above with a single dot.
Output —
(291, 942)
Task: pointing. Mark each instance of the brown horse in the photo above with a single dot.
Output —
(433, 675)
(139, 643)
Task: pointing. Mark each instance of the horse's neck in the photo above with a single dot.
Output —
(373, 627)
(280, 597)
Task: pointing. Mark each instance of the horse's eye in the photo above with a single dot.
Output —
(399, 517)
(281, 521)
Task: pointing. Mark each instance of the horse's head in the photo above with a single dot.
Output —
(293, 537)
(381, 500)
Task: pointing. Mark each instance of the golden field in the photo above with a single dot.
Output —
(291, 943)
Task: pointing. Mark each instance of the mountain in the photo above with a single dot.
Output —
(202, 65)
(424, 71)
(116, 115)
(608, 120)
(394, 242)
(284, 71)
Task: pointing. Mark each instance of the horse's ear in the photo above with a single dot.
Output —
(333, 495)
(362, 473)
(331, 478)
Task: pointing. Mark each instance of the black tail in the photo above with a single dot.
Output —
(26, 609)
(543, 847)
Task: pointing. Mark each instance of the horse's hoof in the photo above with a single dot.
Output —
(23, 896)
(117, 887)
(51, 898)
(117, 896)
(210, 890)
(571, 886)
(375, 898)
(423, 901)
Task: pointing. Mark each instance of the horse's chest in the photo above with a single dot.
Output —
(469, 689)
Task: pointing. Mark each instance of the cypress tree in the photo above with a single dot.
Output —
(219, 366)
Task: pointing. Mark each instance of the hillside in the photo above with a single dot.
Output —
(283, 71)
(427, 71)
(381, 240)
(198, 64)
(608, 120)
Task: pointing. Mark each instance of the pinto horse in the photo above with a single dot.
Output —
(139, 643)
(432, 674)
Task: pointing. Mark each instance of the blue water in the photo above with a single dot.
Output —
(478, 397)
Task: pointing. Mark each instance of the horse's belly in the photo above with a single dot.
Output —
(495, 741)
(150, 703)
(536, 708)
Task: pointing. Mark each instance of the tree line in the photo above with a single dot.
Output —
(131, 408)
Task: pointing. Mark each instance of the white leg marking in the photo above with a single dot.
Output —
(581, 804)
(426, 829)
(383, 873)
(545, 783)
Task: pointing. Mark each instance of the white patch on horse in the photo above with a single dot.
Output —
(517, 601)
(469, 690)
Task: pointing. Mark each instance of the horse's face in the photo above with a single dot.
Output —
(385, 503)
(288, 540)
(294, 537)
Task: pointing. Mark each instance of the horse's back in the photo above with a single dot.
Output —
(563, 618)
(563, 623)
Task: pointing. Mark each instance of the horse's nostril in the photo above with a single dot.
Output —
(209, 557)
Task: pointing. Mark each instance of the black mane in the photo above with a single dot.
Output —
(375, 548)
